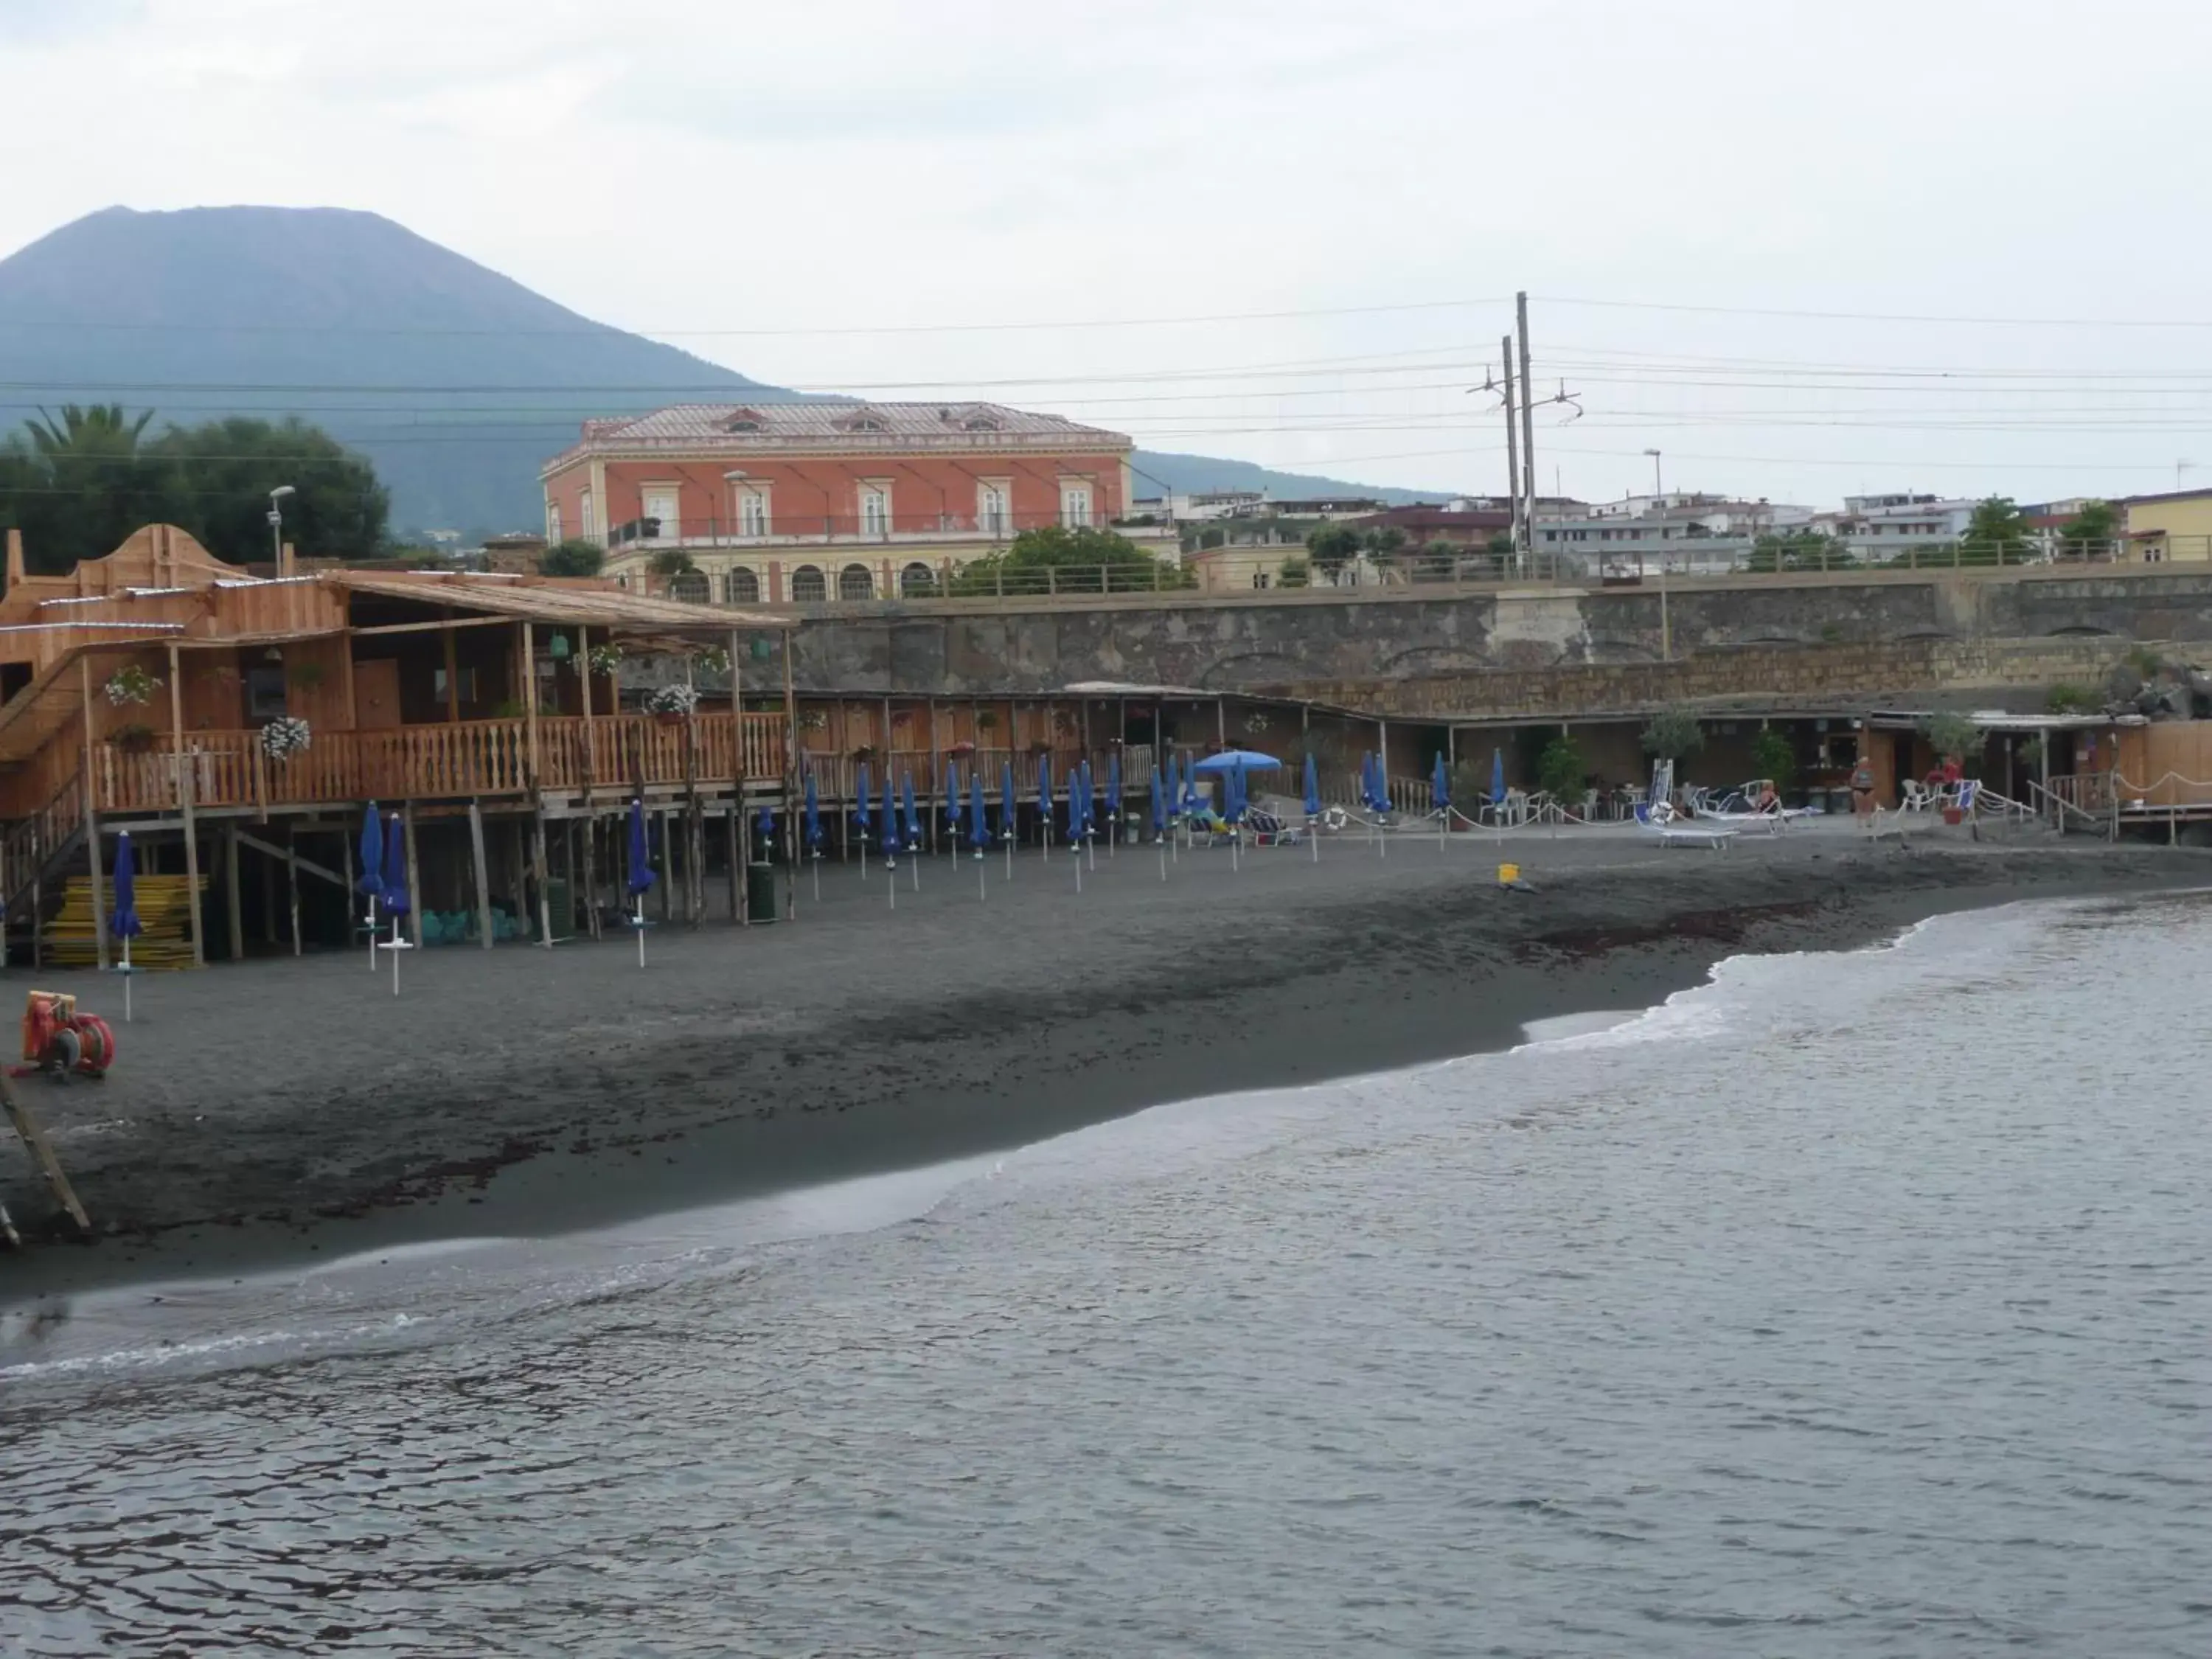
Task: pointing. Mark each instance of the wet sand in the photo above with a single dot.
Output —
(287, 1108)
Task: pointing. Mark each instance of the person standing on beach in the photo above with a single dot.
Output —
(1862, 786)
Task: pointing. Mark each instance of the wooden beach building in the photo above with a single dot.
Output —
(138, 691)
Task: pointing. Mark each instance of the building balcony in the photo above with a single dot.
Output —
(916, 530)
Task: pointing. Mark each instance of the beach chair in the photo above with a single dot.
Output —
(1919, 796)
(1671, 831)
(1269, 830)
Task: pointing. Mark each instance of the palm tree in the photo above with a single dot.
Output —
(104, 430)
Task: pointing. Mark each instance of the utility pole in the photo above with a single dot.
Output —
(1527, 421)
(1512, 452)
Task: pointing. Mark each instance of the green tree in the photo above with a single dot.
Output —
(1997, 534)
(1955, 737)
(1066, 560)
(574, 558)
(220, 474)
(1384, 545)
(1331, 547)
(1561, 770)
(1295, 572)
(1773, 756)
(671, 562)
(1673, 733)
(2091, 531)
(77, 483)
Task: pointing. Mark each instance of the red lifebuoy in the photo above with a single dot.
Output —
(96, 1040)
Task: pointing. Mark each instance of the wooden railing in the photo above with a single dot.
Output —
(834, 775)
(27, 844)
(417, 762)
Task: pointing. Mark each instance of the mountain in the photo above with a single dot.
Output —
(405, 350)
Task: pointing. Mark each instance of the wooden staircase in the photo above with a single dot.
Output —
(164, 910)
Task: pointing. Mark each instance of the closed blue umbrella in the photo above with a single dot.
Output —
(813, 816)
(1044, 796)
(764, 832)
(1498, 777)
(1190, 790)
(124, 923)
(1089, 801)
(395, 887)
(1075, 810)
(1440, 797)
(640, 873)
(953, 795)
(1113, 799)
(861, 805)
(979, 830)
(890, 818)
(372, 871)
(1159, 807)
(913, 817)
(1007, 812)
(1313, 805)
(1367, 779)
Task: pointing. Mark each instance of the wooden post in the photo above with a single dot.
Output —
(592, 871)
(740, 837)
(414, 874)
(292, 881)
(38, 902)
(591, 744)
(667, 864)
(92, 817)
(268, 901)
(234, 911)
(483, 869)
(185, 793)
(530, 695)
(42, 1153)
(538, 857)
(452, 672)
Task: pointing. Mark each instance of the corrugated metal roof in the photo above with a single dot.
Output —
(549, 602)
(745, 428)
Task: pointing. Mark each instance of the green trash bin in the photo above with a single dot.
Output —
(561, 905)
(764, 893)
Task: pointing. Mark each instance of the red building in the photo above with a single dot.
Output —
(779, 502)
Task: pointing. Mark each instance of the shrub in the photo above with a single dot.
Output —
(1673, 733)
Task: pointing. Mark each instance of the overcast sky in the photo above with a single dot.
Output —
(850, 179)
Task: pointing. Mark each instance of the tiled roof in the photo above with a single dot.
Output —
(742, 429)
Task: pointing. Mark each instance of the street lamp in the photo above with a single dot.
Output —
(276, 523)
(1658, 489)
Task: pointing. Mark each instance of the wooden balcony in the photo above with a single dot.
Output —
(483, 758)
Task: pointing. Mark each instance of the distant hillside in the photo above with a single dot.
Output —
(344, 317)
(1189, 472)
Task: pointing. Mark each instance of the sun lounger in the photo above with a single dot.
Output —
(1673, 831)
(1269, 830)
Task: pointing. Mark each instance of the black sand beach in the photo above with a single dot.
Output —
(282, 1108)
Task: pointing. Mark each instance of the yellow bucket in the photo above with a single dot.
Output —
(1508, 874)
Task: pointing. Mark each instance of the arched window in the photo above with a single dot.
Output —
(807, 587)
(741, 586)
(692, 588)
(853, 582)
(917, 582)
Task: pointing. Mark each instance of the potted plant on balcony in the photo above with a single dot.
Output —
(133, 737)
(284, 737)
(130, 686)
(713, 660)
(605, 658)
(671, 704)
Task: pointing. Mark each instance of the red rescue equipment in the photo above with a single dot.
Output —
(57, 1036)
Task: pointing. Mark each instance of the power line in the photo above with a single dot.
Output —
(589, 329)
(1880, 316)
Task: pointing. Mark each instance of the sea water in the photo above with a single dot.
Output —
(1849, 1304)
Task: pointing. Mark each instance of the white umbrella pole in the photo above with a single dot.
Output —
(395, 955)
(1313, 835)
(639, 923)
(126, 979)
(1079, 868)
(982, 880)
(915, 862)
(1163, 857)
(372, 932)
(816, 863)
(1009, 838)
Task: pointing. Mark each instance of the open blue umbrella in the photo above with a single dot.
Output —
(123, 922)
(1238, 760)
(640, 873)
(372, 871)
(395, 887)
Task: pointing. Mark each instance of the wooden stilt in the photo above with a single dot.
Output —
(541, 874)
(414, 875)
(92, 818)
(38, 903)
(292, 882)
(268, 901)
(667, 867)
(234, 911)
(740, 837)
(483, 874)
(592, 872)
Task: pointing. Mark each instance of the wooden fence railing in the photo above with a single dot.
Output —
(418, 763)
